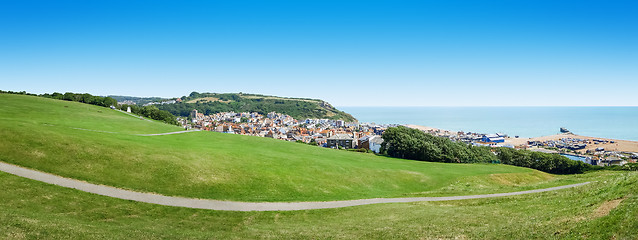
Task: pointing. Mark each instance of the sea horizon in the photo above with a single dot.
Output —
(616, 122)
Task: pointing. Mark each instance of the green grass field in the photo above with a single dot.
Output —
(41, 134)
(34, 210)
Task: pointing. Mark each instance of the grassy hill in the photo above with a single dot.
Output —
(298, 108)
(98, 145)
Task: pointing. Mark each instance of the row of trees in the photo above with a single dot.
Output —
(83, 98)
(408, 143)
(151, 112)
(18, 93)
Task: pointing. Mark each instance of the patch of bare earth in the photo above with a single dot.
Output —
(603, 210)
(606, 207)
(518, 179)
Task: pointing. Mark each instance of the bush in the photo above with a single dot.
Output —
(403, 142)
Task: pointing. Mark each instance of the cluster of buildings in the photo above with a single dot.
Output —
(477, 139)
(160, 103)
(563, 143)
(587, 150)
(322, 132)
(607, 158)
(130, 102)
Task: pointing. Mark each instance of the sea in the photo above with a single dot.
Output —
(604, 122)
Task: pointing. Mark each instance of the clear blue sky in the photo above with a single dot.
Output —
(350, 53)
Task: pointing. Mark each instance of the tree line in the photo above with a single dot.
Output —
(151, 112)
(83, 98)
(408, 143)
(231, 102)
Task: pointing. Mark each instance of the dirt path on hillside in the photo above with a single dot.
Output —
(145, 134)
(232, 205)
(133, 115)
(169, 133)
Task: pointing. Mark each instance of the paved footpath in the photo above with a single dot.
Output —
(231, 205)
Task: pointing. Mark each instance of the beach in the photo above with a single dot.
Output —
(617, 146)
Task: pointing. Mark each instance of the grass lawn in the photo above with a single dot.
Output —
(34, 210)
(41, 134)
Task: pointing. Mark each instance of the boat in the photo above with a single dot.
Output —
(564, 130)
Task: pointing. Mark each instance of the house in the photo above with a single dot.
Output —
(341, 140)
(371, 142)
(492, 138)
(321, 141)
(326, 133)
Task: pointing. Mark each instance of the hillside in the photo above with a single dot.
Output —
(100, 145)
(298, 108)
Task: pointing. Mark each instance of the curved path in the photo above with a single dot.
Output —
(169, 133)
(144, 135)
(231, 205)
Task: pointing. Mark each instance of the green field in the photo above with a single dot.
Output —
(34, 210)
(47, 135)
(41, 134)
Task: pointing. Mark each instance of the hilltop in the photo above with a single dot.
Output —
(298, 108)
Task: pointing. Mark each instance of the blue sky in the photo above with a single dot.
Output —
(350, 53)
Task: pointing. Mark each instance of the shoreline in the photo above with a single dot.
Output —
(619, 145)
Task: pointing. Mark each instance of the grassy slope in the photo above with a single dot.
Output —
(33, 210)
(36, 133)
(220, 166)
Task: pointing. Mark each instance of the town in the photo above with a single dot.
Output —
(321, 132)
(367, 136)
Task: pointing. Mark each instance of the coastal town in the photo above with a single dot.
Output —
(367, 136)
(321, 132)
